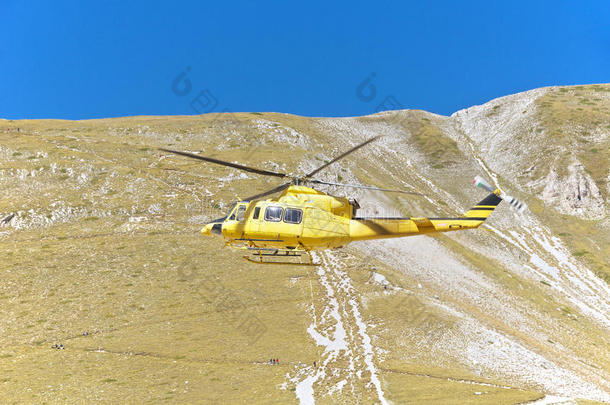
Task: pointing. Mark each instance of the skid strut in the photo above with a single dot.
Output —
(263, 253)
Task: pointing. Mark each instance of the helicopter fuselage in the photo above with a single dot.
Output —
(305, 219)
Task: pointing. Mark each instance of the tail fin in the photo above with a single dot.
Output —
(473, 218)
(485, 207)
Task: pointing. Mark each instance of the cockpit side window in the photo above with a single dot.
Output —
(257, 211)
(241, 213)
(273, 214)
(234, 210)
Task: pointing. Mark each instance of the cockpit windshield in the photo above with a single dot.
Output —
(222, 219)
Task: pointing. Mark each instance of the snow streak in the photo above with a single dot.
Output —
(342, 332)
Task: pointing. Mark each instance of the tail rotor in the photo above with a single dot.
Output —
(512, 201)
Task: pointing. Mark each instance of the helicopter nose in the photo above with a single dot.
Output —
(207, 230)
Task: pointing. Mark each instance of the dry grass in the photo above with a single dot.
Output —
(105, 241)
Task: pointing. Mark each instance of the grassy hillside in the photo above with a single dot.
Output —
(103, 256)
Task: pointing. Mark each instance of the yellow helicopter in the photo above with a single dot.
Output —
(303, 219)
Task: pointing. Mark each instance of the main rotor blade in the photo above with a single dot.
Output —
(273, 190)
(361, 186)
(341, 156)
(223, 163)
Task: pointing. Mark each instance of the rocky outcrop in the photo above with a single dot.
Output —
(574, 194)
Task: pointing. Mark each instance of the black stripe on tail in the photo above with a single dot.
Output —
(484, 208)
(490, 200)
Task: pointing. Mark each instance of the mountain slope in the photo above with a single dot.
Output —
(104, 241)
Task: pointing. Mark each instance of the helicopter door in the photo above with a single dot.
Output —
(234, 224)
(292, 226)
(270, 222)
(253, 222)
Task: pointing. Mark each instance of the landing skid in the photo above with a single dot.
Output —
(263, 254)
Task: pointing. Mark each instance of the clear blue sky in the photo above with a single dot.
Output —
(76, 60)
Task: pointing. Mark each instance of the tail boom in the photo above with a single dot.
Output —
(381, 228)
